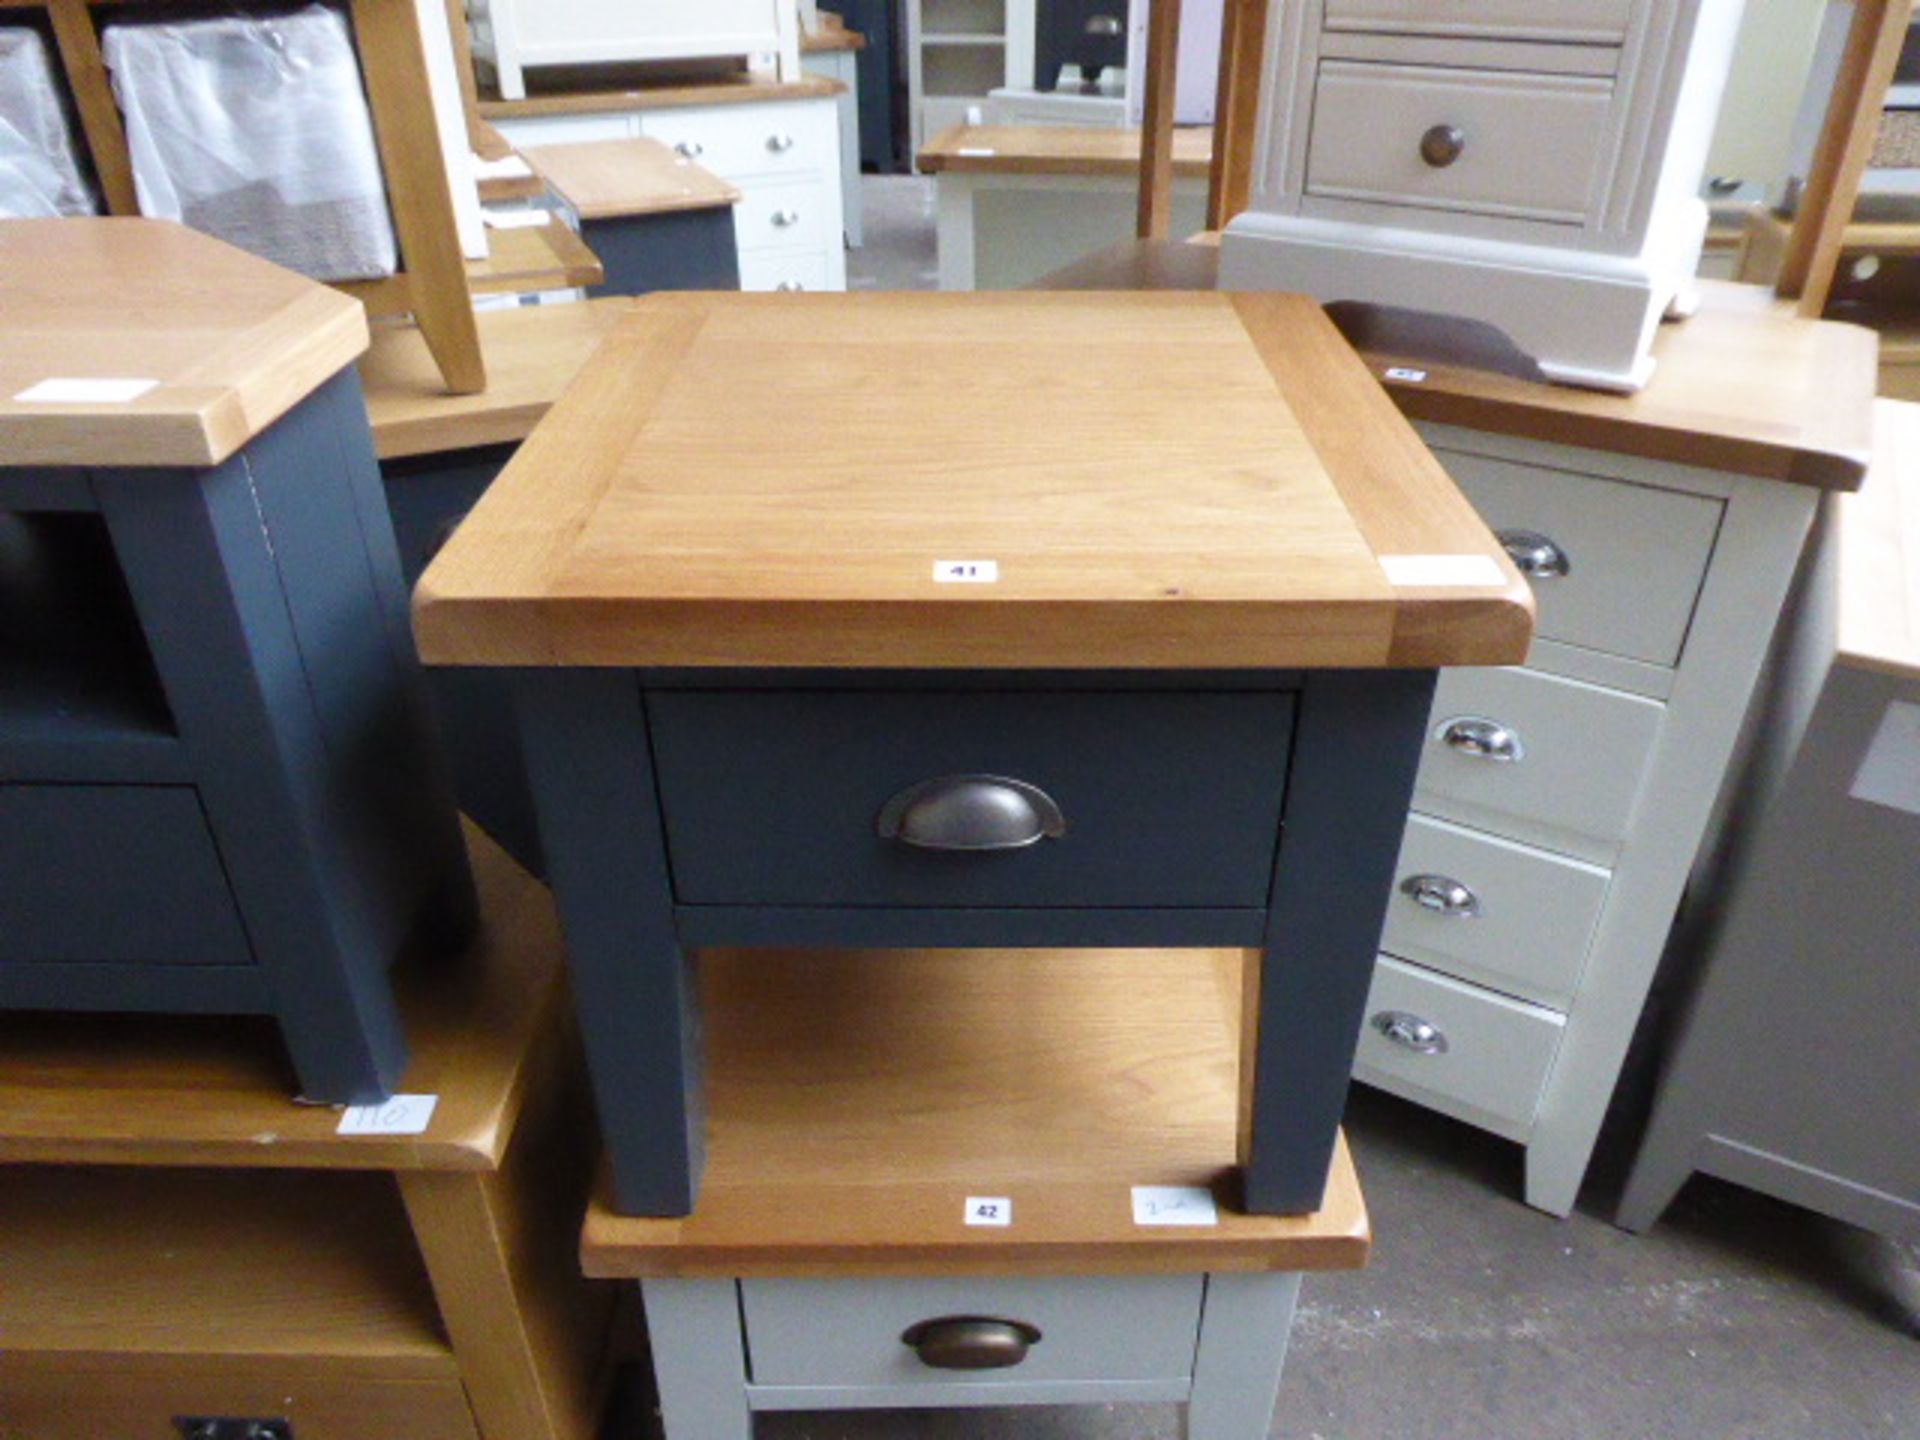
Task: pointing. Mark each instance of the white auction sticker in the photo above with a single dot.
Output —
(518, 219)
(1401, 372)
(966, 572)
(981, 151)
(61, 391)
(401, 1115)
(989, 1210)
(1890, 775)
(1174, 1205)
(1442, 570)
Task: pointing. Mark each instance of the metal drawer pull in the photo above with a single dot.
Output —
(1103, 25)
(789, 287)
(1483, 739)
(971, 812)
(690, 149)
(784, 218)
(779, 144)
(1441, 894)
(1442, 145)
(1537, 556)
(971, 1342)
(1409, 1031)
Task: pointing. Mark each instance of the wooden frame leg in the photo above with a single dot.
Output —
(393, 63)
(1358, 740)
(699, 1358)
(1244, 1328)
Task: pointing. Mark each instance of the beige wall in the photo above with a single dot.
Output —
(1763, 92)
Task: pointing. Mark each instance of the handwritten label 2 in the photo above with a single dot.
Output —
(989, 1210)
(401, 1115)
(1174, 1205)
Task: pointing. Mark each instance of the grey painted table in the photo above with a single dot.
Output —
(763, 703)
(218, 793)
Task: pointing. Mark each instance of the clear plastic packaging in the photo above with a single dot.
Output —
(40, 175)
(256, 129)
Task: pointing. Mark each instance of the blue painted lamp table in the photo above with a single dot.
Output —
(218, 790)
(1106, 621)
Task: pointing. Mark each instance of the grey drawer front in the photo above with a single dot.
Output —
(1584, 752)
(1520, 920)
(847, 1332)
(1636, 556)
(1487, 1060)
(112, 874)
(1170, 799)
(1585, 20)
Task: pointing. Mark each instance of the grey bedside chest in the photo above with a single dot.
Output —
(217, 790)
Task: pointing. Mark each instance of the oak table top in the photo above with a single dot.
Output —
(612, 179)
(1157, 480)
(1879, 532)
(1058, 150)
(1745, 385)
(229, 342)
(857, 1098)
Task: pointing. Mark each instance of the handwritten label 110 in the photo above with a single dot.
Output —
(401, 1115)
(989, 1210)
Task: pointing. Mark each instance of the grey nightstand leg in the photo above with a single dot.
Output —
(267, 690)
(592, 774)
(1357, 745)
(699, 1358)
(1244, 1329)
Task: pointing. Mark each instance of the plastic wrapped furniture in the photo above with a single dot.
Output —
(39, 176)
(256, 130)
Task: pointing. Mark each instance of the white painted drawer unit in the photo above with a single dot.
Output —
(1528, 163)
(783, 156)
(1560, 804)
(518, 35)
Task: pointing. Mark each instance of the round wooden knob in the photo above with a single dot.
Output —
(1442, 145)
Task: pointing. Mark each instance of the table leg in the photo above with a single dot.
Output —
(592, 773)
(1358, 741)
(699, 1358)
(1243, 1346)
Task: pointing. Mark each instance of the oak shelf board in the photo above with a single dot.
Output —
(169, 1090)
(1880, 551)
(833, 34)
(233, 341)
(315, 1271)
(1745, 386)
(856, 1099)
(1170, 481)
(533, 352)
(1058, 150)
(534, 257)
(586, 90)
(616, 179)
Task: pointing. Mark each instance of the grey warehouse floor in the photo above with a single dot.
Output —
(1736, 1318)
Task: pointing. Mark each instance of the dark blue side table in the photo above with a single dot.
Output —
(218, 788)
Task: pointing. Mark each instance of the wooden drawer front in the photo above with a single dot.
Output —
(1466, 1051)
(783, 270)
(1592, 21)
(124, 1395)
(113, 874)
(786, 217)
(847, 1332)
(744, 140)
(1635, 557)
(774, 797)
(1582, 754)
(1531, 144)
(1511, 917)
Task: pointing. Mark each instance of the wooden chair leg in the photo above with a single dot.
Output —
(1243, 41)
(79, 46)
(394, 64)
(1156, 137)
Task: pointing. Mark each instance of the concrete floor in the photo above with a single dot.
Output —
(1736, 1318)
